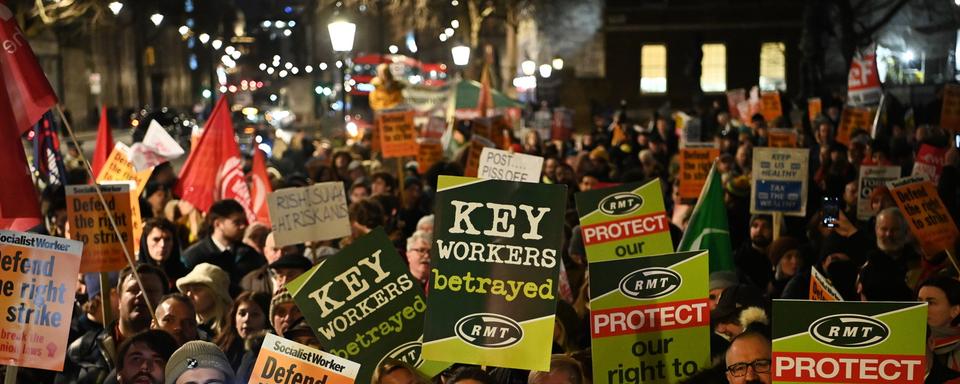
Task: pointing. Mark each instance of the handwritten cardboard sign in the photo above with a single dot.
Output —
(503, 165)
(313, 213)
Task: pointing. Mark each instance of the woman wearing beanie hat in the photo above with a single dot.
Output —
(208, 287)
(198, 362)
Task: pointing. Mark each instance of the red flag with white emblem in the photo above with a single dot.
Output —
(259, 188)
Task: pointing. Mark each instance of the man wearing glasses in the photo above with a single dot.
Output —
(418, 256)
(748, 359)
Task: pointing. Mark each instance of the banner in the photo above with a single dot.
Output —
(502, 165)
(929, 162)
(364, 306)
(734, 98)
(770, 106)
(781, 138)
(429, 152)
(872, 176)
(863, 82)
(284, 361)
(814, 109)
(495, 263)
(779, 181)
(821, 289)
(398, 136)
(928, 219)
(624, 221)
(313, 213)
(650, 318)
(89, 224)
(950, 112)
(848, 342)
(39, 278)
(695, 165)
(852, 119)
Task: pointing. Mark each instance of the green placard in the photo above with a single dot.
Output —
(493, 286)
(650, 318)
(846, 342)
(364, 306)
(624, 221)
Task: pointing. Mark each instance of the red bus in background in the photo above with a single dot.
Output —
(433, 74)
(405, 69)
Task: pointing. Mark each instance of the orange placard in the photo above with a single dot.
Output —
(950, 114)
(284, 361)
(814, 108)
(429, 152)
(781, 138)
(88, 222)
(928, 218)
(398, 135)
(851, 119)
(821, 289)
(473, 158)
(770, 106)
(37, 284)
(119, 169)
(695, 166)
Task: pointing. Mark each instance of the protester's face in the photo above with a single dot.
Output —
(177, 319)
(823, 133)
(790, 262)
(270, 249)
(379, 187)
(159, 244)
(850, 193)
(399, 376)
(158, 199)
(282, 276)
(359, 193)
(748, 350)
(284, 315)
(133, 306)
(761, 233)
(202, 376)
(587, 183)
(250, 319)
(939, 310)
(202, 296)
(743, 156)
(889, 233)
(418, 257)
(233, 226)
(730, 330)
(715, 297)
(141, 365)
(550, 167)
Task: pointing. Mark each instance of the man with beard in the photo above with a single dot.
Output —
(143, 357)
(895, 244)
(94, 353)
(751, 259)
(748, 359)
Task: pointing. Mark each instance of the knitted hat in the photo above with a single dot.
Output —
(281, 297)
(210, 275)
(197, 354)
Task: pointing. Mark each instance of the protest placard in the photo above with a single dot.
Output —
(502, 165)
(363, 305)
(89, 223)
(929, 162)
(398, 136)
(863, 80)
(770, 106)
(781, 138)
(284, 361)
(821, 289)
(37, 284)
(852, 119)
(429, 152)
(119, 168)
(950, 112)
(926, 215)
(628, 220)
(434, 128)
(650, 318)
(848, 342)
(475, 149)
(779, 181)
(814, 108)
(495, 261)
(734, 98)
(313, 213)
(695, 165)
(872, 176)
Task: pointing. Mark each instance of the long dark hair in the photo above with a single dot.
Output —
(229, 334)
(172, 265)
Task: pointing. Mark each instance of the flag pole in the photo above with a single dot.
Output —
(10, 376)
(113, 224)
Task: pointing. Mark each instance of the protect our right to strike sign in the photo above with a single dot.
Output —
(848, 342)
(284, 361)
(779, 181)
(650, 318)
(628, 220)
(502, 165)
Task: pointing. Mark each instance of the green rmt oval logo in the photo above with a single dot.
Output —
(408, 352)
(650, 283)
(488, 330)
(620, 203)
(849, 331)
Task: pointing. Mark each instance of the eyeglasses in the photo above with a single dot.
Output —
(740, 369)
(419, 250)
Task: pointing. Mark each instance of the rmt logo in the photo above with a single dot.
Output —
(849, 331)
(489, 330)
(621, 203)
(650, 283)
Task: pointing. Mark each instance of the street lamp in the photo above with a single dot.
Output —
(528, 67)
(156, 18)
(557, 63)
(342, 33)
(115, 7)
(545, 70)
(461, 55)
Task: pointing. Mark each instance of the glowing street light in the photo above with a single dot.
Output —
(461, 55)
(558, 63)
(216, 44)
(545, 70)
(528, 67)
(115, 7)
(342, 33)
(156, 18)
(204, 38)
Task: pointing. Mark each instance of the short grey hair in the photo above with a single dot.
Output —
(428, 219)
(418, 235)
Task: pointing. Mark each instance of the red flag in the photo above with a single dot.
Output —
(104, 142)
(485, 99)
(259, 188)
(214, 169)
(28, 94)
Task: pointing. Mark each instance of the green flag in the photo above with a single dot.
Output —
(708, 228)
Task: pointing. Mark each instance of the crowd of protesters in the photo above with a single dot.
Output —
(216, 281)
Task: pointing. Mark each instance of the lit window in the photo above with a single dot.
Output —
(713, 74)
(653, 69)
(773, 67)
